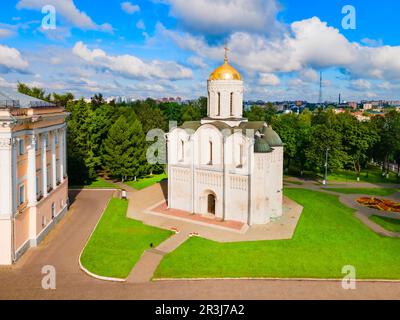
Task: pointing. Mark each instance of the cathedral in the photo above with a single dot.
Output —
(224, 166)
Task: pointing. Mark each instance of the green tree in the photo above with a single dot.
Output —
(286, 127)
(125, 150)
(256, 113)
(35, 92)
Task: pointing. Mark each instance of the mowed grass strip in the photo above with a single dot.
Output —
(146, 181)
(98, 183)
(327, 238)
(386, 223)
(367, 191)
(118, 242)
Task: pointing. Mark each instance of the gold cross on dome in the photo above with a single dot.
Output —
(226, 53)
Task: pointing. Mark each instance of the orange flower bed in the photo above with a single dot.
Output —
(380, 204)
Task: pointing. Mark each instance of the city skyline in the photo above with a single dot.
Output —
(165, 48)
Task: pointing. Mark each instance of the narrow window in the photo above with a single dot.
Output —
(182, 151)
(241, 156)
(21, 147)
(211, 153)
(219, 104)
(231, 103)
(21, 194)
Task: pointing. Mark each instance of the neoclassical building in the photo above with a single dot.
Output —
(225, 166)
(33, 184)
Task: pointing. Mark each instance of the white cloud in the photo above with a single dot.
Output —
(6, 33)
(269, 79)
(225, 16)
(130, 66)
(140, 25)
(197, 61)
(309, 75)
(11, 60)
(7, 84)
(129, 7)
(68, 10)
(360, 84)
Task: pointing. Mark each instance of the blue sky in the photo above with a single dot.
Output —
(163, 48)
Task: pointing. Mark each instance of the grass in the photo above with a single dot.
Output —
(372, 174)
(146, 181)
(327, 238)
(99, 183)
(299, 183)
(118, 242)
(368, 191)
(386, 223)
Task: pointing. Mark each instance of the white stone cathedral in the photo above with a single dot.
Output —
(225, 166)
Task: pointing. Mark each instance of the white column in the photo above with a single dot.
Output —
(65, 151)
(6, 191)
(53, 159)
(32, 198)
(61, 154)
(14, 174)
(44, 164)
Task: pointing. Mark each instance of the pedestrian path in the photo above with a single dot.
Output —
(148, 263)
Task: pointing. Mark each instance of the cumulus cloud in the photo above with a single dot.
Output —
(310, 44)
(11, 60)
(6, 33)
(269, 79)
(129, 7)
(130, 66)
(68, 10)
(197, 61)
(360, 84)
(218, 17)
(140, 25)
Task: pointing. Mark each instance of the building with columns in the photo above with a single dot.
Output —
(224, 166)
(34, 184)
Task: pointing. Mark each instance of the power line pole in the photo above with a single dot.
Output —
(320, 88)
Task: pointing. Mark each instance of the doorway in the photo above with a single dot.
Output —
(211, 203)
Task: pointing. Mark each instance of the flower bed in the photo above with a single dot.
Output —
(380, 204)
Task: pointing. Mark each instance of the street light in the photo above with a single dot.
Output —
(326, 167)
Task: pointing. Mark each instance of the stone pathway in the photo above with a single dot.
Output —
(148, 263)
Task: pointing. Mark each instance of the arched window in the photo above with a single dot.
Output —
(219, 104)
(182, 154)
(231, 103)
(210, 162)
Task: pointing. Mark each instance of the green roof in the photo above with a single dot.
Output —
(272, 137)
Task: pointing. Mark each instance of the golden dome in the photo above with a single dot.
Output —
(225, 71)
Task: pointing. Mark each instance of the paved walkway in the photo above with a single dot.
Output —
(64, 244)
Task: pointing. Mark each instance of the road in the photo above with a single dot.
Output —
(62, 247)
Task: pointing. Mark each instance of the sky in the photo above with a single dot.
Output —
(168, 48)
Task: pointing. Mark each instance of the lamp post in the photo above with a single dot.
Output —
(326, 167)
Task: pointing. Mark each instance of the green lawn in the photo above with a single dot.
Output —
(146, 181)
(368, 191)
(118, 242)
(372, 174)
(99, 183)
(387, 223)
(327, 238)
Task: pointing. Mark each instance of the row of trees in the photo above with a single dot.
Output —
(350, 143)
(110, 138)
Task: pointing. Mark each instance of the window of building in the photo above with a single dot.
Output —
(21, 145)
(231, 103)
(241, 154)
(210, 162)
(36, 143)
(43, 221)
(182, 153)
(219, 104)
(53, 210)
(37, 187)
(21, 194)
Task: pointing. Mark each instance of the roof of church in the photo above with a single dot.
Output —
(269, 138)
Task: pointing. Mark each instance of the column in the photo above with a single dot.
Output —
(14, 174)
(32, 192)
(53, 159)
(44, 164)
(6, 190)
(61, 154)
(65, 151)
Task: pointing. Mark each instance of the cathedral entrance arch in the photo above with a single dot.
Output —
(211, 203)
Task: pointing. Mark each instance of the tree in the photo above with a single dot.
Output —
(191, 113)
(62, 99)
(256, 113)
(323, 138)
(35, 92)
(97, 100)
(125, 150)
(270, 112)
(172, 111)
